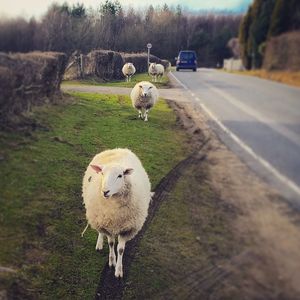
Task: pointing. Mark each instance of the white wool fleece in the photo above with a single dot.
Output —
(126, 210)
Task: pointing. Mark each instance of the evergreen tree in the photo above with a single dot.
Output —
(280, 18)
(244, 37)
(285, 17)
(258, 31)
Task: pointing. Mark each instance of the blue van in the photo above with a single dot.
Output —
(186, 59)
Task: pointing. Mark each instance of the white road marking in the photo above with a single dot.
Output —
(255, 114)
(291, 184)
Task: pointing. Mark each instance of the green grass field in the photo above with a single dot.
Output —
(121, 83)
(42, 215)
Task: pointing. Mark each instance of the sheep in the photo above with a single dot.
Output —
(116, 192)
(156, 70)
(143, 96)
(128, 70)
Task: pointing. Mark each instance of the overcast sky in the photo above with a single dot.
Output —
(28, 8)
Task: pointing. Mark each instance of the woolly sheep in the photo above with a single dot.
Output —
(143, 96)
(156, 71)
(128, 70)
(116, 192)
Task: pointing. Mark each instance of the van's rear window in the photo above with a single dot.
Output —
(187, 55)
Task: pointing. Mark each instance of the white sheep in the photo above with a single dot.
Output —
(128, 70)
(116, 192)
(156, 71)
(143, 96)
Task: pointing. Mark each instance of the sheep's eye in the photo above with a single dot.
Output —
(150, 87)
(140, 86)
(120, 176)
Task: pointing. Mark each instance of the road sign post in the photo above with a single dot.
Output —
(149, 46)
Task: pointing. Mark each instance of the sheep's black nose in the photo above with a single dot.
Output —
(105, 193)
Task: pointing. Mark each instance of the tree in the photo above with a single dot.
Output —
(111, 17)
(258, 31)
(234, 46)
(279, 19)
(244, 37)
(285, 17)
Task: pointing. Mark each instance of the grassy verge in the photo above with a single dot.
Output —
(42, 216)
(287, 77)
(188, 237)
(122, 83)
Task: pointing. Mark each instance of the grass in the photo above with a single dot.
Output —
(121, 83)
(190, 234)
(41, 214)
(287, 77)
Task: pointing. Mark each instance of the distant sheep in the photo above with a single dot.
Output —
(156, 71)
(168, 67)
(128, 70)
(116, 192)
(143, 96)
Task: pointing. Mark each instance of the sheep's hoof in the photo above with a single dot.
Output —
(119, 273)
(112, 262)
(99, 247)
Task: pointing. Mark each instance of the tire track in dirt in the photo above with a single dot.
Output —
(112, 288)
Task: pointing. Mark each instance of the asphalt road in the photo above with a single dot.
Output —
(257, 118)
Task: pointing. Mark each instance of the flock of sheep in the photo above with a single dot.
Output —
(144, 94)
(116, 189)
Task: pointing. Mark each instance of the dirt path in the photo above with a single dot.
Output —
(269, 265)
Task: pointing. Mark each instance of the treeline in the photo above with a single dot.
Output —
(68, 28)
(266, 19)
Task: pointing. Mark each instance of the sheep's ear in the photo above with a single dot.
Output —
(128, 171)
(98, 169)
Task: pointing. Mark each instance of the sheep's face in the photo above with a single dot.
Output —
(130, 66)
(113, 179)
(152, 67)
(145, 90)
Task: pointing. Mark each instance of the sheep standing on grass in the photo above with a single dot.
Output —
(128, 70)
(116, 192)
(156, 71)
(143, 96)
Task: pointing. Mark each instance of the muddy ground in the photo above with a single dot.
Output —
(259, 256)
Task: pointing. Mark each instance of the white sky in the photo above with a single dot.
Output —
(28, 8)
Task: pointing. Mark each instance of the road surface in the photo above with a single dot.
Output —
(257, 118)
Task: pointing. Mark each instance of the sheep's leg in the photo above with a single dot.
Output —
(112, 255)
(140, 114)
(99, 244)
(146, 115)
(121, 247)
